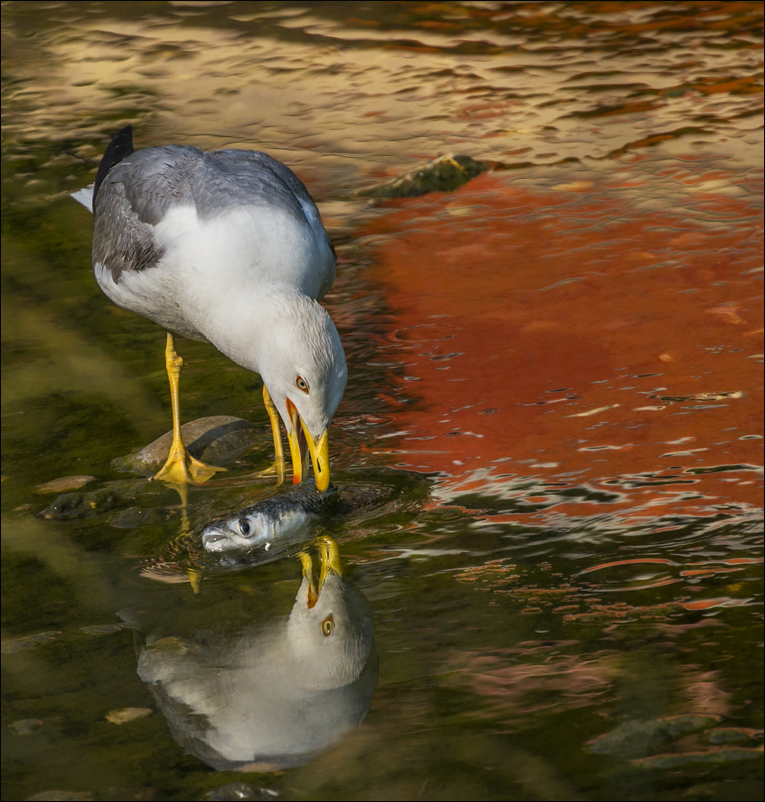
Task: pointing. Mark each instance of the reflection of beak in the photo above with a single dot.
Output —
(329, 557)
(301, 442)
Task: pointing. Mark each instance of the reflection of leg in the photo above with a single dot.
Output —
(194, 573)
(180, 468)
(277, 433)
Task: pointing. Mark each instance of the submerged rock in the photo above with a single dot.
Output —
(28, 642)
(444, 174)
(216, 440)
(26, 726)
(81, 505)
(128, 714)
(102, 629)
(727, 735)
(713, 756)
(133, 517)
(243, 791)
(637, 736)
(64, 484)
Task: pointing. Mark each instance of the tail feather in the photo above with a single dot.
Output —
(85, 197)
(119, 148)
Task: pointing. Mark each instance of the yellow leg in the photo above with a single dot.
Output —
(277, 433)
(181, 468)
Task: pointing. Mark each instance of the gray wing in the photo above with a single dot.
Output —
(139, 191)
(249, 177)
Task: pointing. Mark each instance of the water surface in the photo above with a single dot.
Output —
(555, 373)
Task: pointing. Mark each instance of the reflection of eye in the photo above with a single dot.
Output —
(244, 526)
(327, 625)
(301, 383)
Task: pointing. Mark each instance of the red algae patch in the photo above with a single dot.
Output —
(611, 334)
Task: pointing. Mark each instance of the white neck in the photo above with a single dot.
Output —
(280, 333)
(247, 325)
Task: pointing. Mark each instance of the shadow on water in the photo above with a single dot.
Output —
(548, 458)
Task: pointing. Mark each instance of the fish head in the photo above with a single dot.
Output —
(238, 532)
(249, 529)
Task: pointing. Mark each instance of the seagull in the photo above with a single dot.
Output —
(225, 247)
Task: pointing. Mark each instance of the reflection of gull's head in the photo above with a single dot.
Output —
(329, 632)
(275, 697)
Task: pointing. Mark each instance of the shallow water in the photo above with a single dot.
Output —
(555, 380)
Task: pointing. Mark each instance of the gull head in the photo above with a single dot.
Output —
(302, 363)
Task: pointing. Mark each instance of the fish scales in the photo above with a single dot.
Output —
(272, 520)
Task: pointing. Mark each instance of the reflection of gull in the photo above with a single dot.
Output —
(272, 698)
(226, 247)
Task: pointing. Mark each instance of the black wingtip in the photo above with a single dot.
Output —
(119, 148)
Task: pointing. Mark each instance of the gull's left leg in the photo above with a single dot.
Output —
(181, 468)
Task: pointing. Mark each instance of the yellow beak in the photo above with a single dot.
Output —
(319, 450)
(329, 558)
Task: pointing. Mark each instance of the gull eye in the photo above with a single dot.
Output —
(244, 527)
(301, 383)
(327, 625)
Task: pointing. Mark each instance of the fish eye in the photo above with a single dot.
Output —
(301, 383)
(327, 625)
(244, 526)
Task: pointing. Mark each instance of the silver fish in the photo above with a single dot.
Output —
(283, 517)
